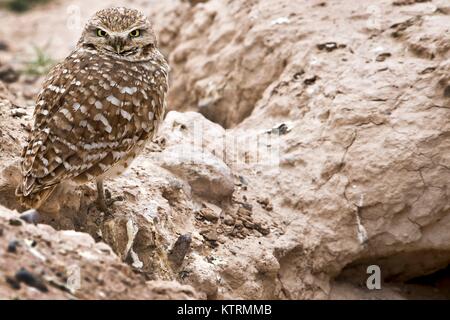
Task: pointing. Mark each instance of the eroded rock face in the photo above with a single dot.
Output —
(39, 262)
(364, 165)
(338, 156)
(239, 57)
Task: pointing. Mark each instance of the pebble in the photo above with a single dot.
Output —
(30, 279)
(244, 212)
(15, 222)
(330, 46)
(263, 230)
(229, 221)
(382, 56)
(12, 246)
(265, 204)
(13, 282)
(210, 214)
(3, 46)
(180, 249)
(210, 235)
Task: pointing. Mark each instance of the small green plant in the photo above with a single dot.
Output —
(20, 5)
(41, 63)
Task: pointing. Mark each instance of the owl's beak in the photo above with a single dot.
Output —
(118, 43)
(119, 49)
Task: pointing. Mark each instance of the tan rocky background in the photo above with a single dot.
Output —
(307, 141)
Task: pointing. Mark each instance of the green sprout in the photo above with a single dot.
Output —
(40, 65)
(20, 5)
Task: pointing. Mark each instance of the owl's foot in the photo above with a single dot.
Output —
(110, 200)
(30, 216)
(104, 198)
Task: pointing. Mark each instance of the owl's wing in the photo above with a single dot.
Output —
(92, 112)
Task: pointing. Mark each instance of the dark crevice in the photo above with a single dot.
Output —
(414, 275)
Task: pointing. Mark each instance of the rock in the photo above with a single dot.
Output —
(202, 275)
(15, 222)
(30, 279)
(207, 175)
(192, 128)
(12, 246)
(8, 74)
(265, 203)
(52, 260)
(209, 234)
(361, 174)
(210, 212)
(3, 46)
(180, 249)
(228, 220)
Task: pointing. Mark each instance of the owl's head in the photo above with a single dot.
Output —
(119, 31)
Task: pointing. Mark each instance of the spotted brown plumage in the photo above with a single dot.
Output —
(97, 108)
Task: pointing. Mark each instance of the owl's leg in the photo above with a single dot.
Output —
(101, 197)
(104, 199)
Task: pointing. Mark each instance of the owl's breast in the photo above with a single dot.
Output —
(115, 98)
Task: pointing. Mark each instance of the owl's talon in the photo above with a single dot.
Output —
(107, 194)
(111, 201)
(117, 199)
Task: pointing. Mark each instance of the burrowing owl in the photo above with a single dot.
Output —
(97, 108)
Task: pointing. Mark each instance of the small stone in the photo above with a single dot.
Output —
(244, 212)
(209, 177)
(239, 225)
(310, 81)
(330, 46)
(382, 56)
(3, 46)
(15, 222)
(180, 249)
(209, 215)
(30, 216)
(240, 234)
(249, 224)
(229, 221)
(210, 212)
(8, 74)
(30, 279)
(262, 229)
(12, 246)
(211, 235)
(243, 181)
(13, 282)
(221, 239)
(265, 204)
(18, 113)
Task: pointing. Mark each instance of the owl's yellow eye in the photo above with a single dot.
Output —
(135, 33)
(101, 33)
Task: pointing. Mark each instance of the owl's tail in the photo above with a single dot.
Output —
(33, 200)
